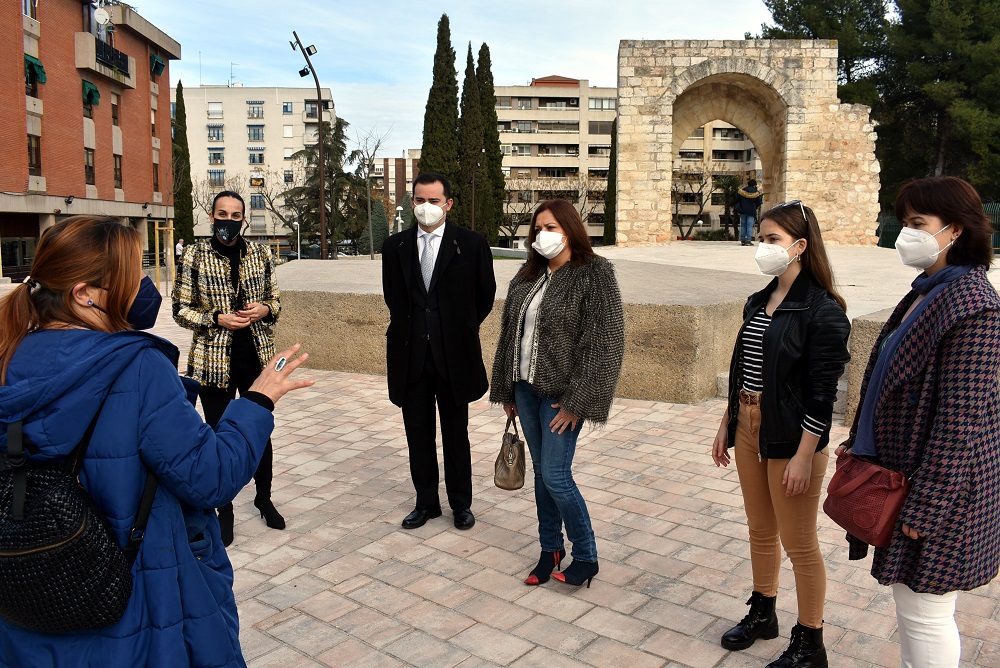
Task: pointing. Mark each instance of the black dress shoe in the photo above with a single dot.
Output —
(419, 517)
(464, 519)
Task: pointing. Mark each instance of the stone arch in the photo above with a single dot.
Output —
(782, 94)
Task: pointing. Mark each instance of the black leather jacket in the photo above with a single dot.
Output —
(805, 352)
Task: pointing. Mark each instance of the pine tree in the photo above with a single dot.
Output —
(611, 194)
(470, 149)
(180, 167)
(494, 187)
(439, 151)
(380, 228)
(407, 213)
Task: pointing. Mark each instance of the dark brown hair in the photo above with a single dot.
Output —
(955, 202)
(95, 250)
(576, 237)
(799, 221)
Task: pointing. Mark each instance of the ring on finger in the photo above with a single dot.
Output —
(280, 364)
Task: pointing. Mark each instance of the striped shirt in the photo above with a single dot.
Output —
(752, 364)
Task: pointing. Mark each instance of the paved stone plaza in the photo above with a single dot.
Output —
(344, 585)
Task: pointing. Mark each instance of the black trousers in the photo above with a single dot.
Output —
(242, 374)
(418, 419)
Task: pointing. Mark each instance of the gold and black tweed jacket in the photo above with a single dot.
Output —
(203, 288)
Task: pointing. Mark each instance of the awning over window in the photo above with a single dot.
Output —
(156, 65)
(216, 125)
(255, 148)
(32, 64)
(91, 95)
(255, 101)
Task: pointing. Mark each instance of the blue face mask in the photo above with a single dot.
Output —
(142, 314)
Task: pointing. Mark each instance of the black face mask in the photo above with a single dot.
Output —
(227, 230)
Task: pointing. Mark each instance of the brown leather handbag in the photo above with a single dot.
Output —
(509, 469)
(866, 499)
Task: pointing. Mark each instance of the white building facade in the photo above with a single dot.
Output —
(243, 139)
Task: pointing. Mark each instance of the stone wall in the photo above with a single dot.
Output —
(781, 93)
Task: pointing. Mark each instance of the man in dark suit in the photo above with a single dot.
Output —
(437, 280)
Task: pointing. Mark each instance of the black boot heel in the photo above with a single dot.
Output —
(760, 622)
(269, 513)
(546, 563)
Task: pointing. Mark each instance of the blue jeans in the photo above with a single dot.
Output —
(746, 226)
(557, 498)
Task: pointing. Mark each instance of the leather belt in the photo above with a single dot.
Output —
(749, 398)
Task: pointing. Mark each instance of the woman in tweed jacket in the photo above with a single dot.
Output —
(930, 408)
(226, 294)
(562, 340)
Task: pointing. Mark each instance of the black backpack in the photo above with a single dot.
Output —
(61, 568)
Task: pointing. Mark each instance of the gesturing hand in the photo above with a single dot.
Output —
(233, 321)
(274, 380)
(254, 311)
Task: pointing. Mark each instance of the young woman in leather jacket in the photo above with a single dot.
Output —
(789, 354)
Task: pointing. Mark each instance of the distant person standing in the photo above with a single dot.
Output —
(179, 249)
(437, 280)
(226, 293)
(747, 204)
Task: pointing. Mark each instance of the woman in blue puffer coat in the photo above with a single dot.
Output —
(67, 341)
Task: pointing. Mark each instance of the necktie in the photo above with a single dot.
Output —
(427, 261)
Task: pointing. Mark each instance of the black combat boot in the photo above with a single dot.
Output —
(760, 622)
(804, 651)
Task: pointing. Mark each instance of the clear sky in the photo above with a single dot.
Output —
(377, 56)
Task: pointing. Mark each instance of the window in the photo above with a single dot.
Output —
(216, 178)
(289, 152)
(152, 121)
(522, 149)
(30, 8)
(562, 127)
(34, 74)
(524, 104)
(255, 133)
(255, 110)
(88, 166)
(524, 196)
(173, 111)
(215, 133)
(312, 109)
(692, 155)
(215, 110)
(118, 171)
(555, 173)
(524, 126)
(603, 103)
(600, 127)
(286, 107)
(699, 133)
(289, 176)
(503, 103)
(256, 158)
(34, 155)
(216, 156)
(505, 149)
(604, 150)
(286, 131)
(256, 201)
(88, 108)
(156, 177)
(114, 111)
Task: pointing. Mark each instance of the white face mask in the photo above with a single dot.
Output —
(549, 244)
(428, 214)
(772, 260)
(919, 249)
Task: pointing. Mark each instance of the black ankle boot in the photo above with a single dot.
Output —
(760, 622)
(806, 650)
(547, 562)
(226, 525)
(270, 514)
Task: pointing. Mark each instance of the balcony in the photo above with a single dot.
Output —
(97, 57)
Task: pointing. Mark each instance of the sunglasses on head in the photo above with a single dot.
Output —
(801, 208)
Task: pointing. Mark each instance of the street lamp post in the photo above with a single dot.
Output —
(368, 182)
(306, 52)
(396, 224)
(298, 235)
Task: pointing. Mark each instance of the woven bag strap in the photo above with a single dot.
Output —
(15, 457)
(75, 460)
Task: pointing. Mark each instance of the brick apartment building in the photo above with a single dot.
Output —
(84, 120)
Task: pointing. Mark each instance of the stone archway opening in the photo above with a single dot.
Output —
(781, 94)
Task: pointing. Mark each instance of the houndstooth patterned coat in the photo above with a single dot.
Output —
(580, 334)
(938, 421)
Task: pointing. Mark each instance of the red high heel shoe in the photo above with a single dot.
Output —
(547, 561)
(577, 572)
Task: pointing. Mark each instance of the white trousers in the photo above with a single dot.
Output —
(928, 634)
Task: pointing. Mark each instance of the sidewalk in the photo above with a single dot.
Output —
(344, 585)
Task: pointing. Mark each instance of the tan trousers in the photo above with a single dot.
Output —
(771, 514)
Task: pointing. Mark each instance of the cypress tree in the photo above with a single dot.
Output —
(180, 167)
(380, 228)
(439, 151)
(494, 192)
(470, 148)
(611, 194)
